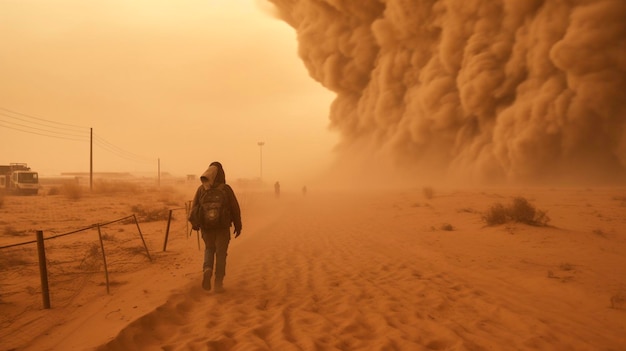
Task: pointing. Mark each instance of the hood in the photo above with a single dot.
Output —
(213, 176)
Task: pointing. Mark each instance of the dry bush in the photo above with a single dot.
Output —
(92, 259)
(520, 210)
(497, 214)
(170, 196)
(72, 191)
(599, 232)
(111, 237)
(136, 250)
(428, 192)
(54, 191)
(447, 227)
(618, 301)
(563, 279)
(150, 215)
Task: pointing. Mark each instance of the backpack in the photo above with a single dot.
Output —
(213, 208)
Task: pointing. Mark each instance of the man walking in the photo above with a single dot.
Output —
(213, 210)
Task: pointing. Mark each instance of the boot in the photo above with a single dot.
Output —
(206, 279)
(219, 284)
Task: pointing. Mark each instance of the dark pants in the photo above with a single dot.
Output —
(216, 248)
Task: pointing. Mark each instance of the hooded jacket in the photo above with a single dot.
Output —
(213, 177)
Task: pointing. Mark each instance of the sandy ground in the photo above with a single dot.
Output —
(377, 270)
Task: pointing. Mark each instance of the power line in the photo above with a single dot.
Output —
(98, 140)
(73, 129)
(37, 133)
(41, 119)
(52, 129)
(41, 129)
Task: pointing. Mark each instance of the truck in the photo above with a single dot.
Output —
(18, 179)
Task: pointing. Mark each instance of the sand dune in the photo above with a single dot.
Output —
(383, 271)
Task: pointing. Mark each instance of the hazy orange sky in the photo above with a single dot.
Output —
(527, 91)
(188, 82)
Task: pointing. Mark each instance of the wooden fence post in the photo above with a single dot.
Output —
(43, 270)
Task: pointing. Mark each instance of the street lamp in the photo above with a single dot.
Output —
(261, 143)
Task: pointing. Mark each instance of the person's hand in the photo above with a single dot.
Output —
(237, 232)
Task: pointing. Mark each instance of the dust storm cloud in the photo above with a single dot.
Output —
(499, 90)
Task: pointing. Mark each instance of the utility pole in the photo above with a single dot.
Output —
(90, 159)
(261, 143)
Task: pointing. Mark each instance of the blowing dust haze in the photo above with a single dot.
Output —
(487, 91)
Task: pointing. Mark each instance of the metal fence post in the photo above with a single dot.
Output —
(167, 231)
(142, 239)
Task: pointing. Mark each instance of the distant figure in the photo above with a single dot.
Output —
(213, 209)
(277, 189)
(304, 190)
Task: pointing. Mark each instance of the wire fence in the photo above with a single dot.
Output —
(85, 263)
(74, 267)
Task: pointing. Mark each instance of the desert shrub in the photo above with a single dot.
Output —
(72, 191)
(447, 227)
(111, 237)
(92, 258)
(150, 215)
(599, 232)
(170, 196)
(618, 300)
(541, 218)
(428, 192)
(136, 250)
(520, 210)
(497, 214)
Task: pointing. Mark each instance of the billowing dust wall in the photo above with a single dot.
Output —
(512, 90)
